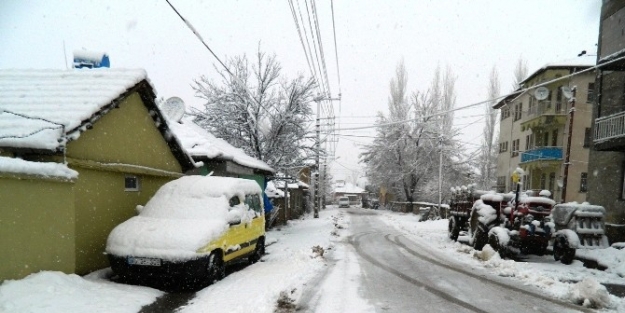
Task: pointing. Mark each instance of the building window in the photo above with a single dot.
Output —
(505, 112)
(527, 142)
(559, 100)
(515, 147)
(131, 183)
(583, 183)
(552, 180)
(503, 147)
(501, 183)
(545, 139)
(543, 181)
(518, 109)
(590, 98)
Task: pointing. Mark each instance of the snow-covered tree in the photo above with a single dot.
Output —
(520, 73)
(488, 153)
(258, 110)
(404, 156)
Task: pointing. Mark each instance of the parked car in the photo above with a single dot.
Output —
(343, 202)
(189, 231)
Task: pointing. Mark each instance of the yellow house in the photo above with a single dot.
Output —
(79, 150)
(545, 129)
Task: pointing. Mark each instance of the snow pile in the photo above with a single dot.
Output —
(486, 254)
(183, 216)
(45, 169)
(56, 292)
(590, 293)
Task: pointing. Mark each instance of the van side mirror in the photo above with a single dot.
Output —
(139, 208)
(234, 221)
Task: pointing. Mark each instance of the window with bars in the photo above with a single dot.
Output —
(583, 183)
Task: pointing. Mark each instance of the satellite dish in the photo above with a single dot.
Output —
(541, 93)
(566, 91)
(173, 108)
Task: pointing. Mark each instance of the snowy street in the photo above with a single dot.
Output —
(363, 261)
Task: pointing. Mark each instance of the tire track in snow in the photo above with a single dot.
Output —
(397, 242)
(355, 241)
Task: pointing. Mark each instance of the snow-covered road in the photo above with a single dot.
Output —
(368, 261)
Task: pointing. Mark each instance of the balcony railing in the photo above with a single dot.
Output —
(542, 154)
(546, 108)
(609, 127)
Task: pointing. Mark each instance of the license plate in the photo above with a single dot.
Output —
(144, 261)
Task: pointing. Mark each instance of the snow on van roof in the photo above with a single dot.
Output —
(198, 142)
(39, 107)
(183, 216)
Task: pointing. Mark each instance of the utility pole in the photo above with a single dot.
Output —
(567, 159)
(440, 174)
(317, 188)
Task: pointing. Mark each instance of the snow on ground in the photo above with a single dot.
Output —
(573, 283)
(298, 255)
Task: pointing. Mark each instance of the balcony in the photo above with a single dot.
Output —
(544, 115)
(610, 127)
(542, 154)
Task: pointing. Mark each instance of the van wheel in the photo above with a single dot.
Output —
(216, 267)
(259, 251)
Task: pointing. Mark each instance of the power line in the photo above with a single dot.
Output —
(336, 53)
(521, 91)
(301, 39)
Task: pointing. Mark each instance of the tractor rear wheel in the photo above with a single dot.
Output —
(495, 243)
(480, 237)
(453, 230)
(561, 250)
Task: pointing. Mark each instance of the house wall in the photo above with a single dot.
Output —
(36, 226)
(123, 142)
(125, 135)
(101, 204)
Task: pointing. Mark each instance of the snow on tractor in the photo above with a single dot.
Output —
(522, 225)
(462, 199)
(578, 226)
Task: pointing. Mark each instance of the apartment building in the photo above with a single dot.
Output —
(545, 129)
(607, 156)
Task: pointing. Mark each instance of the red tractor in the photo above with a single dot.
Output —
(523, 226)
(509, 222)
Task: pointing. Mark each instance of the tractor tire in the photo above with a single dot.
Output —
(562, 252)
(453, 229)
(480, 237)
(495, 243)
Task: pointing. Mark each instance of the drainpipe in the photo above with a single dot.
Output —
(565, 177)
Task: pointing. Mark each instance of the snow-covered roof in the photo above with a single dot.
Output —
(198, 143)
(39, 107)
(348, 188)
(580, 62)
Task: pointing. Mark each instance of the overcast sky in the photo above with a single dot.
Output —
(372, 36)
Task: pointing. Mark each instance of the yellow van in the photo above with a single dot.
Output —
(189, 231)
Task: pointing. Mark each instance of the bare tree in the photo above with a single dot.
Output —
(488, 156)
(520, 73)
(259, 111)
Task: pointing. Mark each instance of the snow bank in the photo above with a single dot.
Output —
(590, 293)
(56, 292)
